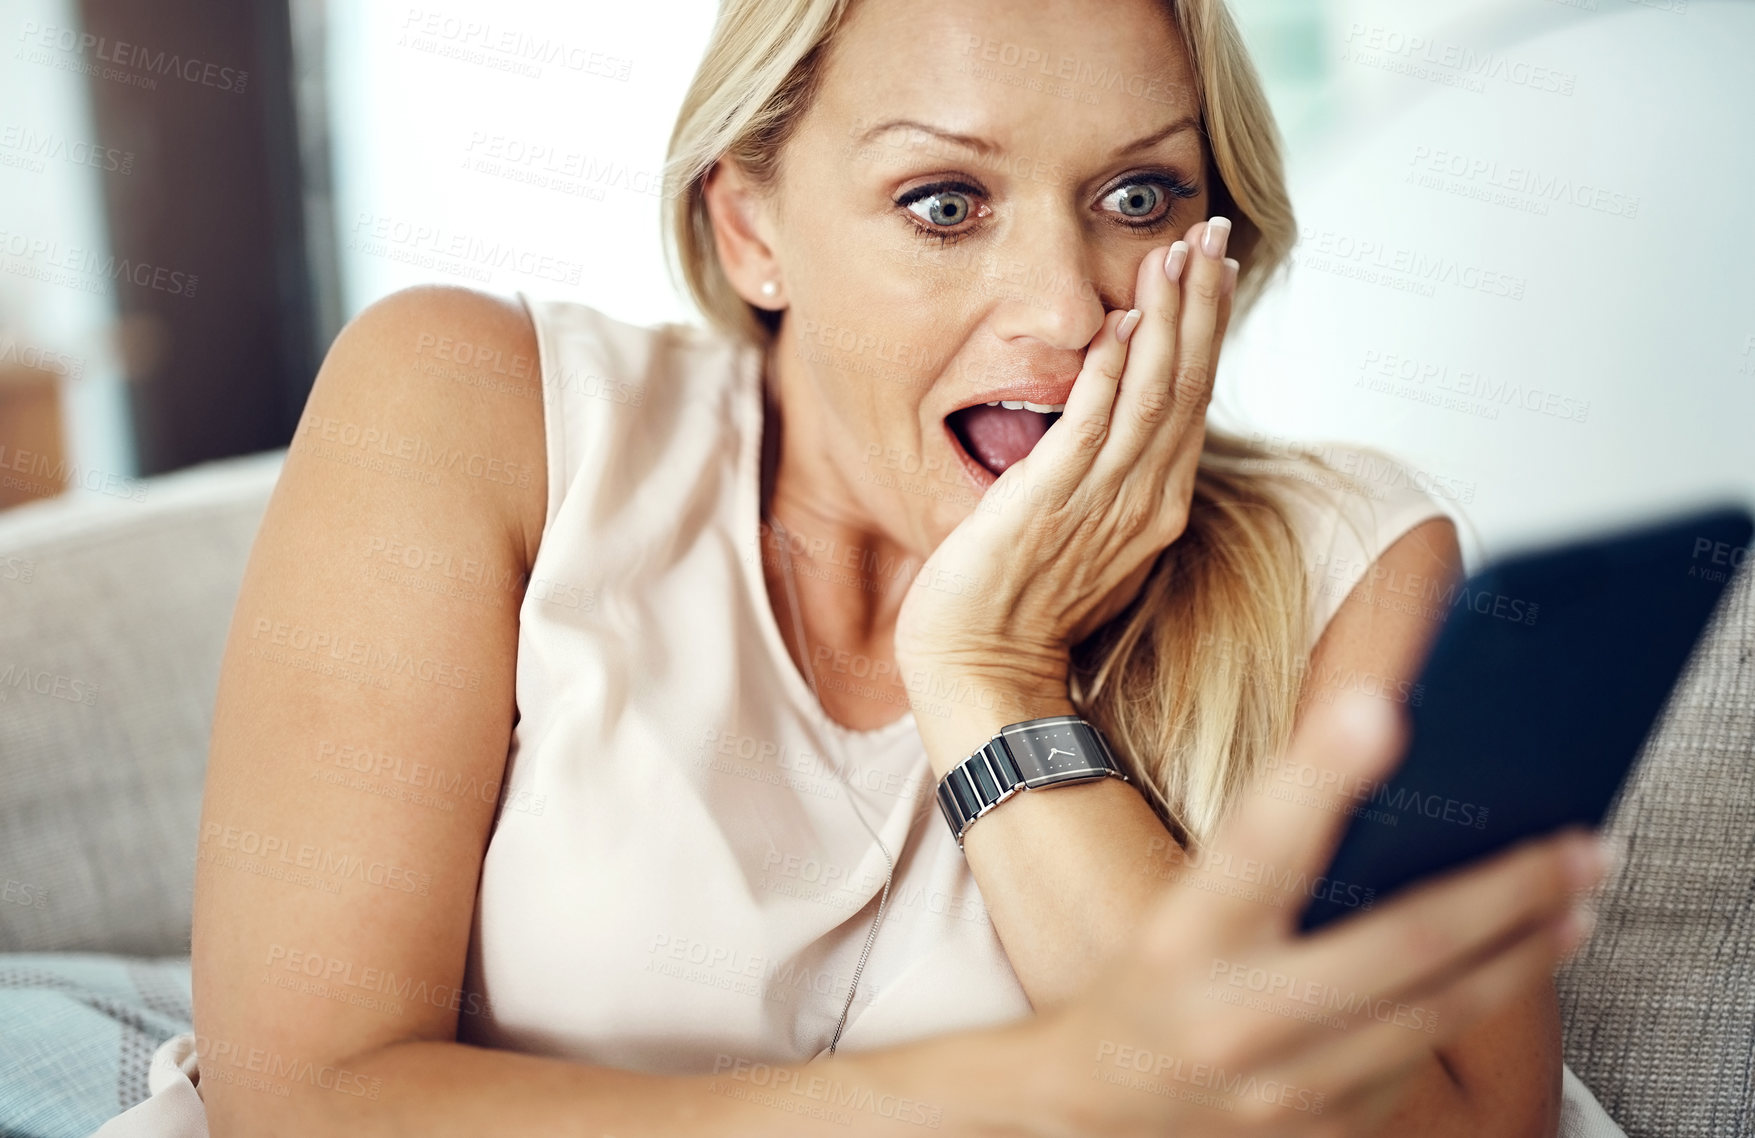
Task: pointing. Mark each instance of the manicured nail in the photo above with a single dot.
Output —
(1575, 927)
(1178, 257)
(1367, 718)
(1231, 267)
(1128, 323)
(1212, 242)
(1588, 861)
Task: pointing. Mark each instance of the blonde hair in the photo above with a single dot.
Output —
(1198, 680)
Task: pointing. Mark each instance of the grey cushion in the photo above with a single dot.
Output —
(1660, 1004)
(113, 616)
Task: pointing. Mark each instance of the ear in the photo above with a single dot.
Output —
(740, 234)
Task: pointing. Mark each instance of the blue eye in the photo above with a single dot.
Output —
(1138, 197)
(944, 208)
(1140, 202)
(1136, 200)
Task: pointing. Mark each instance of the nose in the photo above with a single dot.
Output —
(1042, 276)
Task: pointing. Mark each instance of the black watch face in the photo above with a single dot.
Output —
(1054, 751)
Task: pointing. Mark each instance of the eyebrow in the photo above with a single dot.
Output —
(987, 148)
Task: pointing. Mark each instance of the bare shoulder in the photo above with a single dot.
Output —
(375, 634)
(437, 384)
(1378, 638)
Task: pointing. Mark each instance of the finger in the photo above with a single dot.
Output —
(1413, 944)
(1203, 282)
(1139, 435)
(1299, 1012)
(1072, 442)
(1399, 1038)
(1226, 299)
(1286, 827)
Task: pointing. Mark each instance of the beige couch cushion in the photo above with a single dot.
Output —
(1660, 1004)
(113, 615)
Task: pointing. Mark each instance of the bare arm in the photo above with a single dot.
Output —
(1057, 914)
(360, 739)
(375, 637)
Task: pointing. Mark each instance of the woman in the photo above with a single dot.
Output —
(575, 758)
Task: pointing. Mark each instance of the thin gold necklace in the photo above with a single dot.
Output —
(810, 672)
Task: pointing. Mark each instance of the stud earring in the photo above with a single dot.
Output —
(769, 289)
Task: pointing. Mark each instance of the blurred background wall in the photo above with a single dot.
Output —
(1524, 265)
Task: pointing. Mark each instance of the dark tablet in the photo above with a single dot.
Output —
(1538, 694)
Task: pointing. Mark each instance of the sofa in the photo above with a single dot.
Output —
(113, 614)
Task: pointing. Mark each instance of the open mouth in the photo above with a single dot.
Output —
(996, 435)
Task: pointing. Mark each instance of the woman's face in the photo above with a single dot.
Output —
(930, 268)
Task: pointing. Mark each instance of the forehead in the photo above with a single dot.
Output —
(1071, 78)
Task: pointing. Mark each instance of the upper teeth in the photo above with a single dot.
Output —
(1026, 405)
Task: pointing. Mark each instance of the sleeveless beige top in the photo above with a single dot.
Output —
(678, 874)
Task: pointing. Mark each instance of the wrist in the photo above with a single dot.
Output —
(970, 1079)
(985, 678)
(956, 711)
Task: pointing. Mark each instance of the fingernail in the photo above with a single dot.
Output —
(1218, 232)
(1588, 861)
(1124, 330)
(1231, 267)
(1178, 257)
(1575, 927)
(1367, 717)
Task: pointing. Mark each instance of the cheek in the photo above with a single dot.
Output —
(876, 363)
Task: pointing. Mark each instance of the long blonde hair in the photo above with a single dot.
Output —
(1198, 681)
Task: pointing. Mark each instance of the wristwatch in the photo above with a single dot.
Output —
(1030, 755)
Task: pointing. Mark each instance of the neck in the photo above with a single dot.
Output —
(849, 574)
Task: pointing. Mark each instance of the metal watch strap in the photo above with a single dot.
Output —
(1001, 769)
